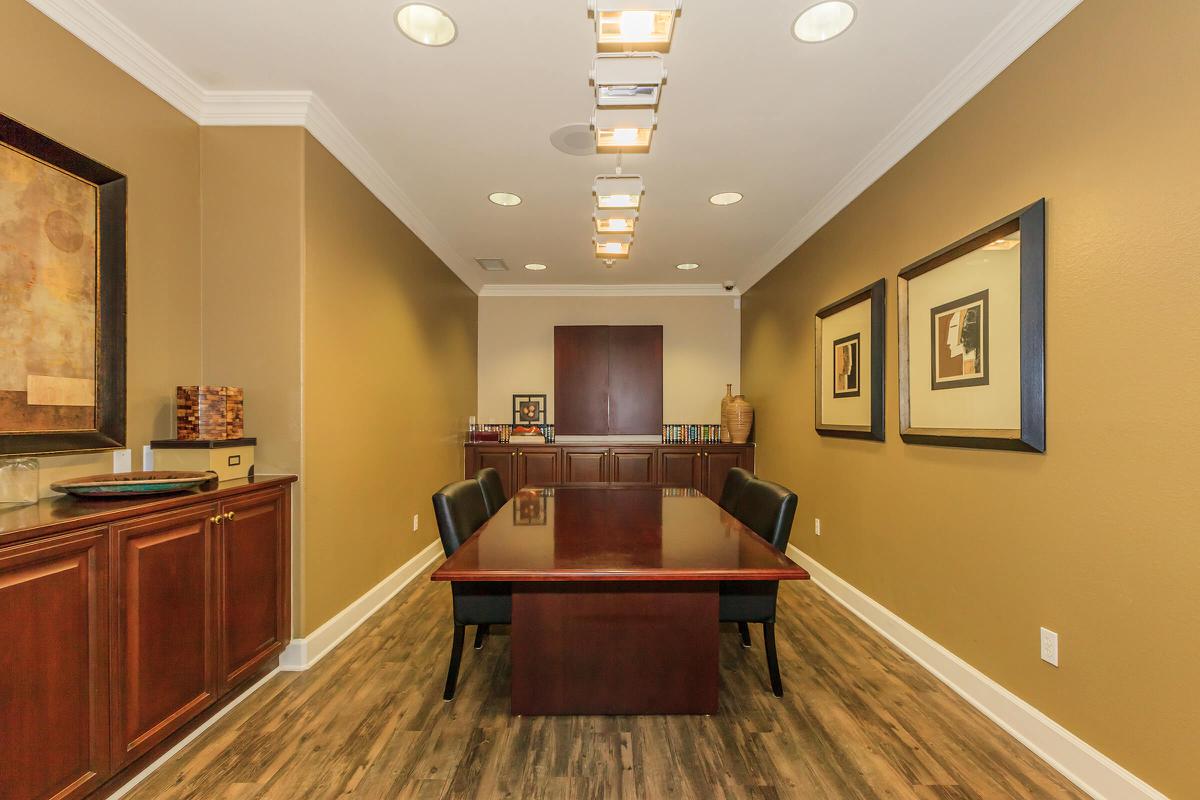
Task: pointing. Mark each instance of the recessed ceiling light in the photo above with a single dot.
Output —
(505, 199)
(426, 24)
(535, 267)
(822, 22)
(687, 266)
(725, 198)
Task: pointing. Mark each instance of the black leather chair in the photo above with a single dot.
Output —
(735, 482)
(493, 488)
(460, 510)
(767, 509)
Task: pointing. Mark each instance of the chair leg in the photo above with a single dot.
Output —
(744, 630)
(460, 633)
(481, 632)
(772, 658)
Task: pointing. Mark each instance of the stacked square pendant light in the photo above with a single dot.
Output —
(628, 73)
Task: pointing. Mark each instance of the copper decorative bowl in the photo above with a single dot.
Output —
(132, 484)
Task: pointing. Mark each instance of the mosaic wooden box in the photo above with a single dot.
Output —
(208, 412)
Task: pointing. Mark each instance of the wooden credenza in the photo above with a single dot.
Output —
(125, 623)
(694, 466)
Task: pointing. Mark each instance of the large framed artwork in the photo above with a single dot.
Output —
(972, 339)
(62, 297)
(849, 358)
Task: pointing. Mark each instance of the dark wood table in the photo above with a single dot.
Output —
(615, 594)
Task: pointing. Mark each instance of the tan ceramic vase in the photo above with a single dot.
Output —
(725, 401)
(741, 417)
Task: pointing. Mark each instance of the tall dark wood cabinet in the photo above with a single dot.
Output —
(608, 380)
(124, 624)
(702, 467)
(54, 677)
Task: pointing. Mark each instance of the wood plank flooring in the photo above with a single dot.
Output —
(858, 720)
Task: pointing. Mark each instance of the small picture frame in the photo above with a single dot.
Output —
(972, 339)
(849, 357)
(529, 409)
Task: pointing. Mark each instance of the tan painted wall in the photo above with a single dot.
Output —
(389, 381)
(701, 350)
(1096, 539)
(54, 84)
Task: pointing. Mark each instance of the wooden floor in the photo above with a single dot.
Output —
(858, 720)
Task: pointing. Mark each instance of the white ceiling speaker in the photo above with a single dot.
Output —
(634, 24)
(576, 139)
(618, 191)
(614, 220)
(626, 130)
(612, 245)
(628, 79)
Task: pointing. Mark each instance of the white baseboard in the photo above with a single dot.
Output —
(1086, 767)
(303, 653)
(185, 741)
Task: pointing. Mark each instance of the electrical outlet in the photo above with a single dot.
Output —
(1049, 647)
(817, 525)
(147, 458)
(416, 521)
(123, 460)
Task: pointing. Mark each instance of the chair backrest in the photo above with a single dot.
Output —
(735, 481)
(767, 509)
(460, 510)
(493, 488)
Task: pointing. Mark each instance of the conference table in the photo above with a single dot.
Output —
(614, 594)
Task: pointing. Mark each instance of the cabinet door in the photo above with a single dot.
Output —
(537, 467)
(253, 577)
(631, 466)
(679, 467)
(584, 465)
(53, 667)
(716, 466)
(165, 660)
(503, 459)
(635, 379)
(581, 380)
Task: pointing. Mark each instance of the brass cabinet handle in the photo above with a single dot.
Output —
(217, 520)
(520, 452)
(229, 515)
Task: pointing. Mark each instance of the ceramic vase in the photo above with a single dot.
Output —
(725, 401)
(741, 418)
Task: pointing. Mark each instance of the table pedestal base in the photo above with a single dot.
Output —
(613, 647)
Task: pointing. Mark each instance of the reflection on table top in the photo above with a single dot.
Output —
(577, 533)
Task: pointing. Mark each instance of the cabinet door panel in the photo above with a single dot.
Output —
(679, 468)
(53, 667)
(584, 466)
(717, 464)
(165, 658)
(252, 620)
(635, 380)
(537, 467)
(581, 380)
(503, 460)
(632, 466)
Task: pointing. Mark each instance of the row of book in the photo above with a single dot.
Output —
(510, 434)
(691, 434)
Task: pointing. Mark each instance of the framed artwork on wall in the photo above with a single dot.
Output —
(849, 358)
(529, 409)
(972, 339)
(62, 319)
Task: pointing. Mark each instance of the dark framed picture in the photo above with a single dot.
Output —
(62, 324)
(529, 409)
(849, 350)
(972, 339)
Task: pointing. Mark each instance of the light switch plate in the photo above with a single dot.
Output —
(1049, 647)
(416, 521)
(817, 525)
(147, 458)
(123, 460)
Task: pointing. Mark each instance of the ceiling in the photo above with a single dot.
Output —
(746, 108)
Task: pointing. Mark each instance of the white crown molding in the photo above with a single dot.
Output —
(1082, 764)
(612, 290)
(1027, 23)
(109, 37)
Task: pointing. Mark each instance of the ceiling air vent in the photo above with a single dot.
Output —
(492, 264)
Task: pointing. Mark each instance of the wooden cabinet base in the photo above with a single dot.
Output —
(642, 647)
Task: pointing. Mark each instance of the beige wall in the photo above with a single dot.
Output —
(389, 381)
(701, 351)
(1097, 538)
(54, 84)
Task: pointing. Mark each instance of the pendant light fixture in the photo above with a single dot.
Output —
(611, 245)
(628, 79)
(618, 191)
(614, 220)
(634, 24)
(626, 130)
